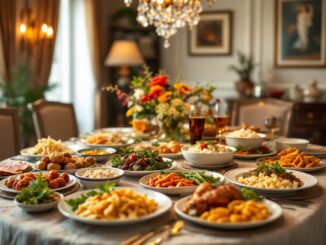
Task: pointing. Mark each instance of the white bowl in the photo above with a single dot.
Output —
(98, 158)
(246, 142)
(37, 208)
(208, 159)
(91, 183)
(283, 143)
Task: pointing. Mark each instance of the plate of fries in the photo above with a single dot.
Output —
(294, 159)
(107, 139)
(121, 206)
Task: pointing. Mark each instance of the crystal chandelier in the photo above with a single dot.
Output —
(168, 15)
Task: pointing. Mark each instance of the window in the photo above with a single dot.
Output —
(71, 68)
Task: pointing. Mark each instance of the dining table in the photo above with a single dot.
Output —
(303, 222)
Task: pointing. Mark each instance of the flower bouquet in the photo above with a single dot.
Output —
(156, 99)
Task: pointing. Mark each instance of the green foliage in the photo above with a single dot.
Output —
(248, 194)
(37, 192)
(245, 68)
(21, 91)
(75, 202)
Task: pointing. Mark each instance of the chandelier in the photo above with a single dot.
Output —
(167, 16)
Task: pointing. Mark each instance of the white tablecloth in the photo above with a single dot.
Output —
(304, 225)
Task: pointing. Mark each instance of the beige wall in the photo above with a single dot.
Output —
(253, 32)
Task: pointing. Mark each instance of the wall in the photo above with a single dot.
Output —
(253, 32)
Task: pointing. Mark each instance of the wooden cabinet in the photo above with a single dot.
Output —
(308, 119)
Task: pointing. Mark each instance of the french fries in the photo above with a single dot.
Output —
(292, 157)
(170, 180)
(117, 205)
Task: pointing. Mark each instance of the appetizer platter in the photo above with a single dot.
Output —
(227, 207)
(180, 182)
(45, 146)
(56, 181)
(107, 139)
(245, 138)
(271, 179)
(10, 168)
(293, 159)
(208, 153)
(253, 152)
(93, 177)
(141, 162)
(37, 197)
(63, 162)
(119, 205)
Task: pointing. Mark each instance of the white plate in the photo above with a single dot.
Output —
(121, 145)
(307, 179)
(164, 204)
(26, 152)
(255, 156)
(274, 209)
(210, 167)
(178, 190)
(71, 182)
(142, 173)
(321, 165)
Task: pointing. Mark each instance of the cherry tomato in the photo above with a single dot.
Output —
(203, 145)
(53, 174)
(65, 176)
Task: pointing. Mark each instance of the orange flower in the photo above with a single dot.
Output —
(153, 93)
(164, 97)
(182, 88)
(207, 96)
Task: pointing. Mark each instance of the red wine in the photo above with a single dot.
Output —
(196, 126)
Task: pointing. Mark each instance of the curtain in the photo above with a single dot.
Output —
(7, 37)
(95, 37)
(36, 54)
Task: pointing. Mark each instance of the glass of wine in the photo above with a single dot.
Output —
(196, 123)
(272, 124)
(221, 117)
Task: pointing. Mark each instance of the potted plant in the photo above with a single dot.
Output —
(244, 70)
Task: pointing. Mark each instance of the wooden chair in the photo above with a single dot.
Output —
(10, 133)
(254, 111)
(54, 119)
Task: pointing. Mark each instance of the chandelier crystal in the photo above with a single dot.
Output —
(167, 16)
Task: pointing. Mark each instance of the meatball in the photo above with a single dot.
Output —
(41, 165)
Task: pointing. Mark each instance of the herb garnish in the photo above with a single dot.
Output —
(75, 202)
(248, 194)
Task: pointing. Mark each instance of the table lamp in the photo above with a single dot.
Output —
(124, 53)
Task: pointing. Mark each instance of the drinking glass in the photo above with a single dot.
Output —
(221, 117)
(196, 123)
(272, 124)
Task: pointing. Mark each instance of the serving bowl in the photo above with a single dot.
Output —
(208, 159)
(245, 142)
(95, 182)
(98, 158)
(283, 143)
(37, 208)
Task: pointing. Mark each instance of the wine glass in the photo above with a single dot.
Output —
(221, 116)
(196, 123)
(272, 124)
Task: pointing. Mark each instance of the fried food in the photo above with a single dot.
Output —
(105, 139)
(293, 157)
(118, 204)
(46, 146)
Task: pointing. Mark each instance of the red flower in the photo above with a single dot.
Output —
(160, 80)
(153, 93)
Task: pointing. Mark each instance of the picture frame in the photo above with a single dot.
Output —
(300, 34)
(213, 36)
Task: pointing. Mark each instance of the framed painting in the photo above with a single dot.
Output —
(212, 35)
(300, 33)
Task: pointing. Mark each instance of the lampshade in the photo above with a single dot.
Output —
(124, 52)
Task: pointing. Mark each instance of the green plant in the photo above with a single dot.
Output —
(245, 68)
(18, 93)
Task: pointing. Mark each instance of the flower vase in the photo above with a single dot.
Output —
(172, 131)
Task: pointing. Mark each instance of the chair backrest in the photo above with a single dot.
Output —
(54, 119)
(254, 112)
(10, 133)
